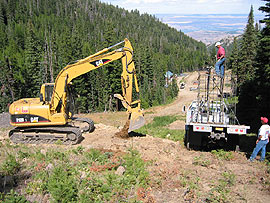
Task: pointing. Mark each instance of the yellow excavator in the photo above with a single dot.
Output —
(50, 119)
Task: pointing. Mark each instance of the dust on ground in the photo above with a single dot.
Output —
(177, 174)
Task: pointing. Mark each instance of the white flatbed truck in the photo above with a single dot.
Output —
(209, 121)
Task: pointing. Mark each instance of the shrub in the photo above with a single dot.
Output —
(97, 156)
(223, 155)
(78, 150)
(136, 172)
(23, 154)
(13, 197)
(199, 160)
(189, 180)
(95, 190)
(76, 175)
(62, 185)
(10, 165)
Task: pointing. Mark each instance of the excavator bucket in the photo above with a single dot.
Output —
(136, 118)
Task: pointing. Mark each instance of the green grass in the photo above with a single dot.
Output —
(223, 155)
(149, 112)
(159, 128)
(182, 80)
(12, 197)
(201, 161)
(10, 166)
(221, 191)
(189, 180)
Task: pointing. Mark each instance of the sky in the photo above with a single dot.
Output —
(189, 6)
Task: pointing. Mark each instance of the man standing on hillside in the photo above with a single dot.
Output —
(219, 67)
(263, 139)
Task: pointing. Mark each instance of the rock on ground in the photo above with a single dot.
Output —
(4, 120)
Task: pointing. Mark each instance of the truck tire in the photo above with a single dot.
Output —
(233, 142)
(185, 139)
(186, 135)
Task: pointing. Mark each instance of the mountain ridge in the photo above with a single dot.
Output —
(208, 28)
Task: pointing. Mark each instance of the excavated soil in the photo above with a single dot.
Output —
(177, 174)
(124, 132)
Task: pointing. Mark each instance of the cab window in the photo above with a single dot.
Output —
(48, 92)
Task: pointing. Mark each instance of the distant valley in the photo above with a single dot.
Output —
(208, 28)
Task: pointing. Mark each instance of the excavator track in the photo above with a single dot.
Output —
(85, 124)
(66, 135)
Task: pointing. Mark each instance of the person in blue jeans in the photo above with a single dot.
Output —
(262, 141)
(219, 67)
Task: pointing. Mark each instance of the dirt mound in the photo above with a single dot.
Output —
(124, 132)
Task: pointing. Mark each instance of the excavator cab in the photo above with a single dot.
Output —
(46, 92)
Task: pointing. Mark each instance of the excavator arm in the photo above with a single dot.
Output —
(93, 62)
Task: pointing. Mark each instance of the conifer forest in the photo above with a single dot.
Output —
(40, 37)
(250, 63)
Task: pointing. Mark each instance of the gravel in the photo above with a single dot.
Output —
(4, 120)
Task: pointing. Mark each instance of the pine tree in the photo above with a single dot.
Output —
(263, 64)
(233, 61)
(2, 13)
(3, 17)
(32, 68)
(11, 10)
(254, 99)
(248, 50)
(5, 86)
(112, 71)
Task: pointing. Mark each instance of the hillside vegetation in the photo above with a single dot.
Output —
(39, 38)
(249, 62)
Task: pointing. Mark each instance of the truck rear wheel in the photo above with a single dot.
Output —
(233, 142)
